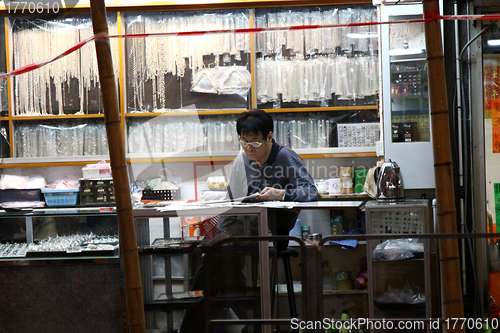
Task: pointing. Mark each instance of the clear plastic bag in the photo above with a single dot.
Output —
(406, 295)
(398, 249)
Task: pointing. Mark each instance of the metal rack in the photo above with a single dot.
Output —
(409, 217)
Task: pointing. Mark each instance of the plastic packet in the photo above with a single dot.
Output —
(36, 182)
(272, 39)
(13, 182)
(170, 176)
(64, 183)
(398, 249)
(345, 17)
(406, 295)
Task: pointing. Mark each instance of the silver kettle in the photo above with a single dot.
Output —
(390, 183)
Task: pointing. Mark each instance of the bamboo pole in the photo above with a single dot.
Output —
(128, 238)
(451, 294)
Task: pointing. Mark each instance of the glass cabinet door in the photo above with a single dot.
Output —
(408, 78)
(405, 94)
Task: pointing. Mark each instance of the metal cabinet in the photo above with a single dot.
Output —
(400, 278)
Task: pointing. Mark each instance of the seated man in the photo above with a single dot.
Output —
(265, 167)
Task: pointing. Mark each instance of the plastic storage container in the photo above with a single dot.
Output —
(65, 197)
(15, 195)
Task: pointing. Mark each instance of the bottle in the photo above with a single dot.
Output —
(346, 326)
(297, 229)
(336, 223)
(305, 231)
(332, 328)
(327, 276)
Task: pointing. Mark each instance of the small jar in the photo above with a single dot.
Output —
(314, 237)
(344, 281)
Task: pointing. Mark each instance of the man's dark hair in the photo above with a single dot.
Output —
(255, 121)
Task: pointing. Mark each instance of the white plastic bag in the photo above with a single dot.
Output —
(397, 249)
(13, 182)
(36, 182)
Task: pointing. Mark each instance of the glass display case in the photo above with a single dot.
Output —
(4, 139)
(407, 131)
(59, 233)
(62, 262)
(409, 87)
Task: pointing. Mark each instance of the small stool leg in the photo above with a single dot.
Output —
(289, 287)
(273, 283)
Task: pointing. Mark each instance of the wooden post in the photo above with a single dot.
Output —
(451, 291)
(128, 238)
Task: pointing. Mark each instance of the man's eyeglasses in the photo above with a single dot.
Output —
(245, 144)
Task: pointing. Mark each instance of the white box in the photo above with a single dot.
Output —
(98, 172)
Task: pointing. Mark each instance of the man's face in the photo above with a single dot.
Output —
(261, 153)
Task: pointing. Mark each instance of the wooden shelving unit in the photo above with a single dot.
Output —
(53, 117)
(120, 7)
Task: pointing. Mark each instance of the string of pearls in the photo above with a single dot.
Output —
(47, 90)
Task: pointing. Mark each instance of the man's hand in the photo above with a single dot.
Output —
(270, 194)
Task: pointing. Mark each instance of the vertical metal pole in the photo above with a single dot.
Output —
(265, 285)
(167, 259)
(29, 229)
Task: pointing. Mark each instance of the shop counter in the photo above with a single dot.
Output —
(54, 289)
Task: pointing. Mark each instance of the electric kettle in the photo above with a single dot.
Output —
(390, 183)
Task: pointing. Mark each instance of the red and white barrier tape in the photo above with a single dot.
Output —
(428, 17)
(39, 64)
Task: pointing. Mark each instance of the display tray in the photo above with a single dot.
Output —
(185, 303)
(161, 245)
(98, 204)
(165, 242)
